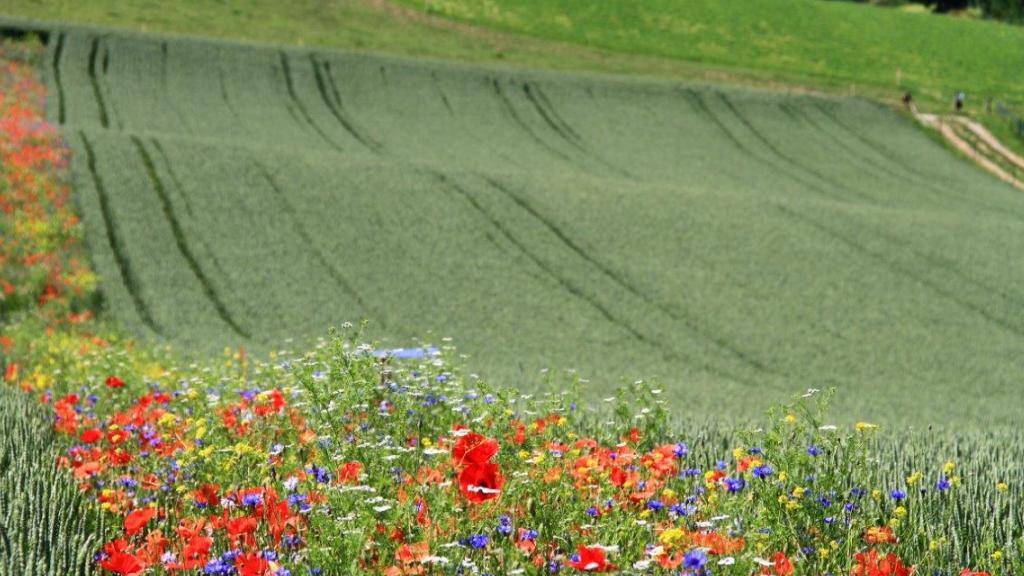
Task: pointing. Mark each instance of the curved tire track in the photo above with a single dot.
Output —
(182, 244)
(318, 255)
(116, 241)
(297, 103)
(625, 284)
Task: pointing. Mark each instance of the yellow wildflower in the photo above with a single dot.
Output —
(672, 537)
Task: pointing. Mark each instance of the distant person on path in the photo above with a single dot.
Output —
(960, 97)
(908, 100)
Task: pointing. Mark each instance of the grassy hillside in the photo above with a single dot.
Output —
(836, 43)
(811, 42)
(728, 242)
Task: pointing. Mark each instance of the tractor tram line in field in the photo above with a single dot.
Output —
(620, 280)
(115, 240)
(182, 243)
(606, 311)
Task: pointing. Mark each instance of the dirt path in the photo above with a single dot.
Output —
(946, 128)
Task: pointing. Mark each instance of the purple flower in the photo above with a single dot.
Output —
(695, 560)
(735, 484)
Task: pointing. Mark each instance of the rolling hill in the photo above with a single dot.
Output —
(736, 244)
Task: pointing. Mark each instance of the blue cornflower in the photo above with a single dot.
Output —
(593, 512)
(763, 471)
(655, 505)
(681, 450)
(479, 540)
(504, 525)
(898, 495)
(321, 475)
(252, 499)
(755, 451)
(695, 560)
(681, 510)
(735, 484)
(528, 535)
(218, 567)
(813, 450)
(943, 484)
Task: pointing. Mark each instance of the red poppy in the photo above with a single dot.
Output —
(206, 495)
(783, 566)
(242, 528)
(120, 560)
(869, 564)
(481, 482)
(474, 448)
(114, 382)
(196, 553)
(252, 565)
(348, 473)
(118, 436)
(123, 564)
(136, 520)
(91, 435)
(410, 553)
(634, 436)
(618, 476)
(591, 559)
(969, 572)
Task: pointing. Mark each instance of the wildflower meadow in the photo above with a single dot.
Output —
(125, 457)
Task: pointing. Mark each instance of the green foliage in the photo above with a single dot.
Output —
(46, 525)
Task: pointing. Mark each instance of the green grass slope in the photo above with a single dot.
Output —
(737, 245)
(834, 43)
